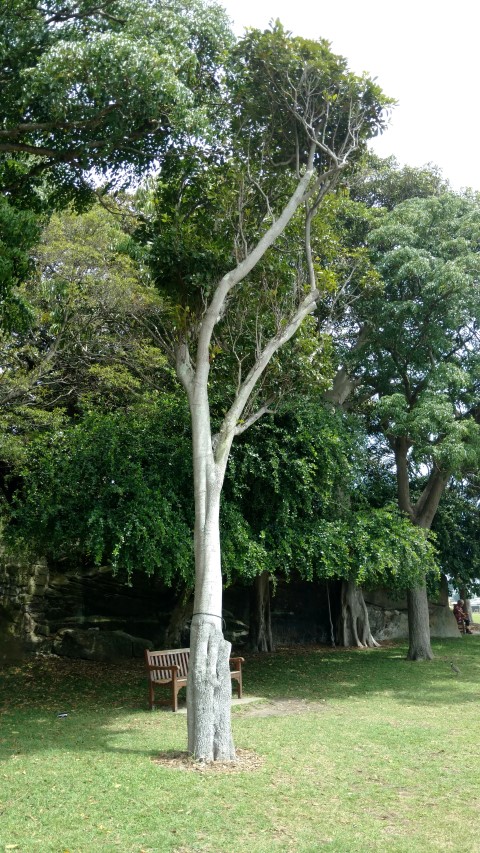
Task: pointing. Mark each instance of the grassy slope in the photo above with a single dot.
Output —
(378, 765)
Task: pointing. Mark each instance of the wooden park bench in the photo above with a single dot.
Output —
(170, 668)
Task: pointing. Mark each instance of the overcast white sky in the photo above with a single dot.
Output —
(425, 54)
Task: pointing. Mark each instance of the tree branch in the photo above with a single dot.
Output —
(184, 368)
(235, 412)
(401, 448)
(253, 418)
(427, 504)
(31, 127)
(231, 279)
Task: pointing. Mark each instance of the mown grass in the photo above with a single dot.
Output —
(384, 759)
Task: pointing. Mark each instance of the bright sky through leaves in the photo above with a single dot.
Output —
(423, 52)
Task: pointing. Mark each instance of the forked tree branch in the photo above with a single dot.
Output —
(234, 414)
(233, 277)
(254, 417)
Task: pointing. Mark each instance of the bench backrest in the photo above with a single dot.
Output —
(168, 658)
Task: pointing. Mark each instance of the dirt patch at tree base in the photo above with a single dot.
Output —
(246, 761)
(281, 708)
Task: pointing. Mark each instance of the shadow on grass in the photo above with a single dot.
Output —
(95, 695)
(344, 674)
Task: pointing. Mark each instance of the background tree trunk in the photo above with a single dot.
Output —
(419, 647)
(418, 624)
(181, 613)
(260, 615)
(354, 624)
(422, 515)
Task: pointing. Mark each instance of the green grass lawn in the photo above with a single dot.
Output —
(385, 759)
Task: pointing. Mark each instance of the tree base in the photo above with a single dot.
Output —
(354, 621)
(420, 654)
(418, 625)
(209, 694)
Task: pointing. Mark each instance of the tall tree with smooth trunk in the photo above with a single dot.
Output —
(234, 251)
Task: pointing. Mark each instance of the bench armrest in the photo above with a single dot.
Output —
(237, 660)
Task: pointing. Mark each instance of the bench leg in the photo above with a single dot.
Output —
(151, 697)
(238, 679)
(175, 690)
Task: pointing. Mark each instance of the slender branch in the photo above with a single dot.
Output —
(31, 127)
(27, 149)
(253, 418)
(344, 384)
(67, 15)
(308, 246)
(235, 276)
(235, 412)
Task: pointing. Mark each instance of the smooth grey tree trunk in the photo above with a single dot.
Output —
(354, 624)
(209, 686)
(261, 639)
(209, 694)
(209, 683)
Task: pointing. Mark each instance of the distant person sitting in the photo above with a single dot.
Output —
(463, 621)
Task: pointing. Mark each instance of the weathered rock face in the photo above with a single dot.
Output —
(92, 614)
(98, 645)
(22, 601)
(38, 603)
(389, 619)
(442, 620)
(388, 616)
(96, 598)
(299, 613)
